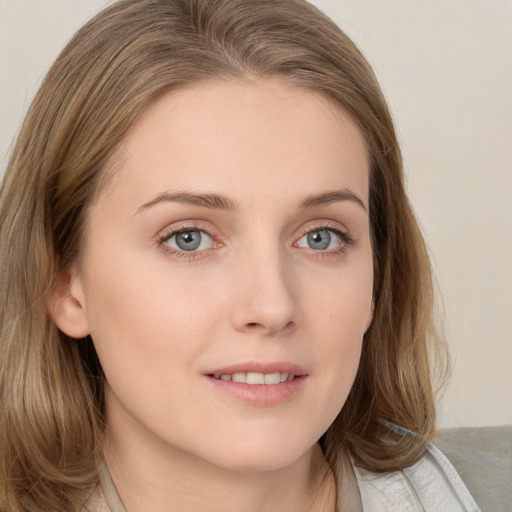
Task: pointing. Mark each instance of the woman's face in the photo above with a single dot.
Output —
(227, 274)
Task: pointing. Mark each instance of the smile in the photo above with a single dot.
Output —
(259, 384)
(256, 378)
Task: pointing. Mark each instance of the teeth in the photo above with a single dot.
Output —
(256, 378)
(272, 378)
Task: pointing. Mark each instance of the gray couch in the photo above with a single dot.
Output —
(483, 458)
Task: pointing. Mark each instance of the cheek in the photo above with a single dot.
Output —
(343, 302)
(145, 318)
(142, 329)
(341, 312)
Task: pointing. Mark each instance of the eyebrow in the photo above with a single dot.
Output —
(220, 202)
(212, 201)
(333, 196)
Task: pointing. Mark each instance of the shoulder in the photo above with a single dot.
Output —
(430, 485)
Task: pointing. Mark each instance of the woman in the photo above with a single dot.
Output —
(219, 297)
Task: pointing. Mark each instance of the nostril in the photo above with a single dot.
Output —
(253, 325)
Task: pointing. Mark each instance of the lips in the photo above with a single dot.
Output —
(260, 383)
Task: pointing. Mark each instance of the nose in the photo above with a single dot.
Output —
(265, 298)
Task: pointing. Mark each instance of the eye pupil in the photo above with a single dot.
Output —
(188, 240)
(319, 240)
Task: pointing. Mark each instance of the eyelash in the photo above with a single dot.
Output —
(184, 228)
(346, 240)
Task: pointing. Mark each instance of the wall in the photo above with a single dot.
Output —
(446, 68)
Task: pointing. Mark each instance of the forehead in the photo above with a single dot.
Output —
(246, 137)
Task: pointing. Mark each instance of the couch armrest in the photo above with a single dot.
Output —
(483, 458)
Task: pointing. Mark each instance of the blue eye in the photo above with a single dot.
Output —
(319, 240)
(322, 239)
(189, 241)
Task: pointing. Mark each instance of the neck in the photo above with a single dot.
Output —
(161, 481)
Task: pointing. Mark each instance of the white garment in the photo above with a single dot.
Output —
(429, 485)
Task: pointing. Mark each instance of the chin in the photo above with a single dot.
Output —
(264, 456)
(258, 463)
(262, 444)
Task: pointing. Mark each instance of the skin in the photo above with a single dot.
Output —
(255, 290)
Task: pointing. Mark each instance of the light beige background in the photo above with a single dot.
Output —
(446, 68)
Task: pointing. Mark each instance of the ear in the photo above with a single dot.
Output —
(67, 305)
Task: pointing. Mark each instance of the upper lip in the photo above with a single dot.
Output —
(260, 367)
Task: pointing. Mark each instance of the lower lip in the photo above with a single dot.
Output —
(260, 394)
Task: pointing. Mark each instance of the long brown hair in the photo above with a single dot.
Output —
(52, 414)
